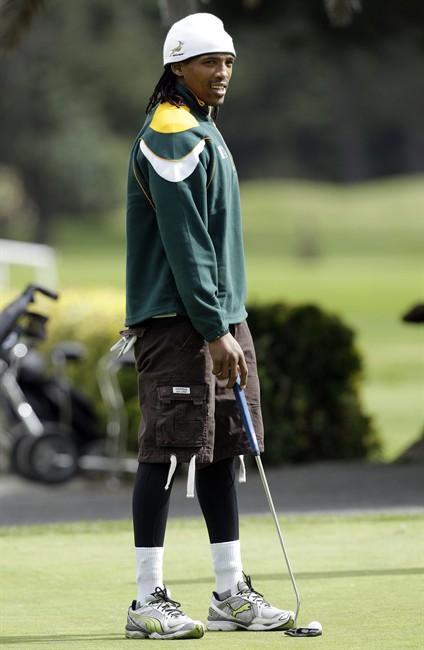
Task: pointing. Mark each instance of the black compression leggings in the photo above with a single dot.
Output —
(216, 491)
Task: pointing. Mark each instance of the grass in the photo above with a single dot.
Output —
(68, 585)
(354, 250)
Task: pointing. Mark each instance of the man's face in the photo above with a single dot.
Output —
(207, 76)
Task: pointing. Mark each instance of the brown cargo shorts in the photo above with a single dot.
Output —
(185, 409)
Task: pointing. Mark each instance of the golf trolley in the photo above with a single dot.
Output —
(48, 430)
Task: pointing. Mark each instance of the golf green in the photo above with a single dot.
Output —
(361, 576)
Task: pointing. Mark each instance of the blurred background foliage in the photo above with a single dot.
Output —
(309, 99)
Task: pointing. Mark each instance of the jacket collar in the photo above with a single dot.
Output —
(196, 105)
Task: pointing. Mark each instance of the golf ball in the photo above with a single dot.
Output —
(315, 625)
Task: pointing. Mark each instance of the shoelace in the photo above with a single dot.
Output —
(255, 596)
(166, 604)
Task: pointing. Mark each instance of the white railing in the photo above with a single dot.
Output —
(41, 258)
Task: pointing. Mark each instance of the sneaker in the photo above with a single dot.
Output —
(160, 618)
(246, 610)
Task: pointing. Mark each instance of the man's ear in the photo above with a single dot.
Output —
(176, 69)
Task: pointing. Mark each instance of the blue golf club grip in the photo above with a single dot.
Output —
(245, 416)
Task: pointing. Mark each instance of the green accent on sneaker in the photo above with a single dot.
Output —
(152, 624)
(239, 610)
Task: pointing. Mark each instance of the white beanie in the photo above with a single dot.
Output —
(195, 35)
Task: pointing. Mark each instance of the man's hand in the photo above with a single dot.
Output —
(228, 360)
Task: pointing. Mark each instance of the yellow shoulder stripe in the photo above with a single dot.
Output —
(172, 119)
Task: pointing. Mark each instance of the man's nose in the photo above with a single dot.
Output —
(222, 71)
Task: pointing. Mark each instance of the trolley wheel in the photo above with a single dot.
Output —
(53, 457)
(19, 461)
(7, 441)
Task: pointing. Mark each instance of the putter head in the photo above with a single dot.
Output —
(303, 631)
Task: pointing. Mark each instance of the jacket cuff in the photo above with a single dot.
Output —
(218, 336)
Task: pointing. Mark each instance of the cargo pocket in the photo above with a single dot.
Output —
(182, 416)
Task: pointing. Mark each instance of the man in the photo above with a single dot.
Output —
(185, 308)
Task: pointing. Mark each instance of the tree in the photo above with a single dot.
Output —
(18, 15)
(68, 96)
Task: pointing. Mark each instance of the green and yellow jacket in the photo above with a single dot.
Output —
(184, 237)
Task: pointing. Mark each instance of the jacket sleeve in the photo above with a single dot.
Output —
(178, 187)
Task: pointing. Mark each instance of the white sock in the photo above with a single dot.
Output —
(227, 566)
(149, 570)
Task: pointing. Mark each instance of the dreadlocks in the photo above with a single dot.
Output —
(165, 91)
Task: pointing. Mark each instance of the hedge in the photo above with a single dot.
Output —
(310, 371)
(309, 366)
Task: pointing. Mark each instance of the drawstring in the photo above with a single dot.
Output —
(171, 472)
(191, 476)
(192, 473)
(242, 470)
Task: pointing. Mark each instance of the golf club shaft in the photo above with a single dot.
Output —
(277, 525)
(251, 435)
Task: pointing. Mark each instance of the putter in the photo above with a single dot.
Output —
(253, 442)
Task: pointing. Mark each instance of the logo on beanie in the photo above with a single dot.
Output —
(178, 48)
